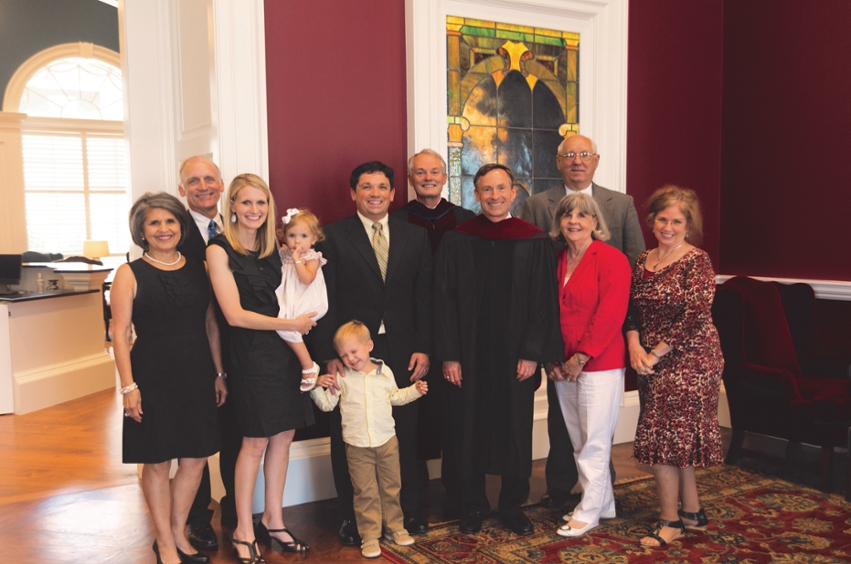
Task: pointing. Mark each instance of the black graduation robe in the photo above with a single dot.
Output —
(437, 221)
(496, 301)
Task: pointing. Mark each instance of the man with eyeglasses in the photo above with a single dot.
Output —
(577, 160)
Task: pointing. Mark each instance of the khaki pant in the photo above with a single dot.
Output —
(376, 482)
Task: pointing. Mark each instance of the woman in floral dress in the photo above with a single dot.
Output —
(674, 347)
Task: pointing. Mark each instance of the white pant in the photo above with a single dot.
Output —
(590, 407)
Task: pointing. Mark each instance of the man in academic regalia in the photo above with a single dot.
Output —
(427, 176)
(496, 319)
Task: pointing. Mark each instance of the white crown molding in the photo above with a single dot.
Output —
(603, 60)
(824, 289)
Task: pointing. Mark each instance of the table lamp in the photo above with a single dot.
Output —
(95, 249)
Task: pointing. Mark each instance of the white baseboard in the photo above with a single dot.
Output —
(57, 383)
(310, 478)
(824, 289)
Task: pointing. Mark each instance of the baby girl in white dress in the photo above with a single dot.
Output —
(302, 288)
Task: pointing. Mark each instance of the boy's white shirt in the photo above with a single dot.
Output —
(366, 402)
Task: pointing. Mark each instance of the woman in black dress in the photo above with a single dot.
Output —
(174, 365)
(245, 269)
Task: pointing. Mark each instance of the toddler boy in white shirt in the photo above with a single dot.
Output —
(367, 393)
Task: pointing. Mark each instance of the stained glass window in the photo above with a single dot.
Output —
(513, 96)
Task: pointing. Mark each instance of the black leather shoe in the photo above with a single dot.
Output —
(196, 558)
(202, 536)
(557, 499)
(471, 522)
(348, 533)
(518, 523)
(416, 525)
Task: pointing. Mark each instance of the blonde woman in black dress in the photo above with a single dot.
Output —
(170, 379)
(265, 374)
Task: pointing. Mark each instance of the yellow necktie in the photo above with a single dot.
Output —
(379, 245)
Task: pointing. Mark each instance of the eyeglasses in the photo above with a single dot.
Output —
(584, 155)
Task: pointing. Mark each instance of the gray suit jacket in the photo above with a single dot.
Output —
(618, 210)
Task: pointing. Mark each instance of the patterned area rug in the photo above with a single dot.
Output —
(753, 518)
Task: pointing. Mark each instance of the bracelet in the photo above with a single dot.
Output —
(654, 353)
(580, 361)
(221, 375)
(296, 262)
(127, 389)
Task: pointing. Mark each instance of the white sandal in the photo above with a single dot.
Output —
(308, 384)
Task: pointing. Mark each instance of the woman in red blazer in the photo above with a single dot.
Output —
(594, 283)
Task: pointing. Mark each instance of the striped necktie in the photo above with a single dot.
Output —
(379, 245)
(212, 230)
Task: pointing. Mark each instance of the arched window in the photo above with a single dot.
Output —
(74, 87)
(75, 166)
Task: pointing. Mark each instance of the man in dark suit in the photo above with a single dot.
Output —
(577, 160)
(201, 184)
(379, 272)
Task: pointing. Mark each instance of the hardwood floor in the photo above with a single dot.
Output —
(66, 498)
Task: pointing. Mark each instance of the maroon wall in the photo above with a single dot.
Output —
(786, 144)
(674, 108)
(674, 105)
(335, 75)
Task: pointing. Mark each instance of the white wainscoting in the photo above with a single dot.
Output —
(824, 289)
(310, 479)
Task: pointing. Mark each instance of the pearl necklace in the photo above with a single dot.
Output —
(150, 258)
(659, 256)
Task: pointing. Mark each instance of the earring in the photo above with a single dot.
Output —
(233, 217)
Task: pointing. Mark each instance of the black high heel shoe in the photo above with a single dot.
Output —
(656, 534)
(157, 552)
(264, 534)
(253, 552)
(700, 517)
(196, 558)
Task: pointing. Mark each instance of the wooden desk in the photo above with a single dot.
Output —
(51, 349)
